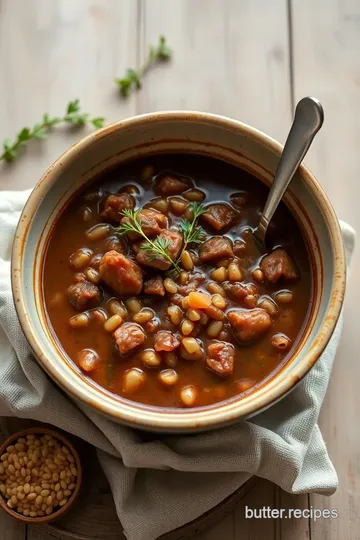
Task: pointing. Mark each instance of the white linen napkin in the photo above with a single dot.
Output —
(162, 483)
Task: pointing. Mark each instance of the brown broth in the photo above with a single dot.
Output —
(253, 363)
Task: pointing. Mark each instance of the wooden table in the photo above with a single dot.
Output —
(248, 59)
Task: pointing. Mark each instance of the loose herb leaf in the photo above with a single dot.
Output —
(24, 134)
(7, 144)
(72, 116)
(157, 247)
(49, 121)
(73, 106)
(132, 79)
(40, 134)
(98, 122)
(163, 51)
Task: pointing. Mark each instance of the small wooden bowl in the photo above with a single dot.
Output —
(61, 511)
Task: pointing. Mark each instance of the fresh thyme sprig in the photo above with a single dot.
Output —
(161, 244)
(193, 233)
(158, 247)
(72, 116)
(132, 78)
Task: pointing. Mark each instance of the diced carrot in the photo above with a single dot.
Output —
(199, 300)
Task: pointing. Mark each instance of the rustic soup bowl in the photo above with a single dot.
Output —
(192, 132)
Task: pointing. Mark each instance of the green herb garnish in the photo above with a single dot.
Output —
(72, 116)
(158, 247)
(132, 78)
(193, 233)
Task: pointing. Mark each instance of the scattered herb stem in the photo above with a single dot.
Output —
(40, 130)
(132, 80)
(157, 247)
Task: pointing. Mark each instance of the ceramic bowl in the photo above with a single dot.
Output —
(173, 131)
(60, 510)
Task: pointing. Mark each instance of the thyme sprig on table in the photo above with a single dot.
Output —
(73, 116)
(132, 79)
(159, 247)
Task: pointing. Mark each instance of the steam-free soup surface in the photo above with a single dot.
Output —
(155, 288)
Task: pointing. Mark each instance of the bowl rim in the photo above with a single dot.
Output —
(187, 419)
(64, 509)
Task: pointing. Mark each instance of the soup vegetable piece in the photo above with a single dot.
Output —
(155, 288)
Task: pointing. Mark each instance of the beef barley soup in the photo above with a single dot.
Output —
(156, 290)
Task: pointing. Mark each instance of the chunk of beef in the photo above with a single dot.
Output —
(84, 295)
(220, 358)
(121, 274)
(170, 185)
(152, 222)
(278, 264)
(239, 291)
(128, 337)
(175, 241)
(154, 286)
(135, 247)
(176, 299)
(236, 291)
(218, 216)
(239, 248)
(115, 204)
(165, 341)
(79, 276)
(193, 284)
(248, 325)
(215, 249)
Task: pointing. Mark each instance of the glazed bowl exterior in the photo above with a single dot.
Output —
(176, 131)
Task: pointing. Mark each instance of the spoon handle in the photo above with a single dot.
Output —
(308, 119)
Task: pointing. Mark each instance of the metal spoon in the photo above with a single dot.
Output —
(308, 119)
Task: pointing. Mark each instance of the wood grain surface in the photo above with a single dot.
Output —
(327, 64)
(249, 59)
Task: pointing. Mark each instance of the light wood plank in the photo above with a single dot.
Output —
(327, 64)
(230, 57)
(54, 52)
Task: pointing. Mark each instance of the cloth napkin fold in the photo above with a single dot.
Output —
(169, 480)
